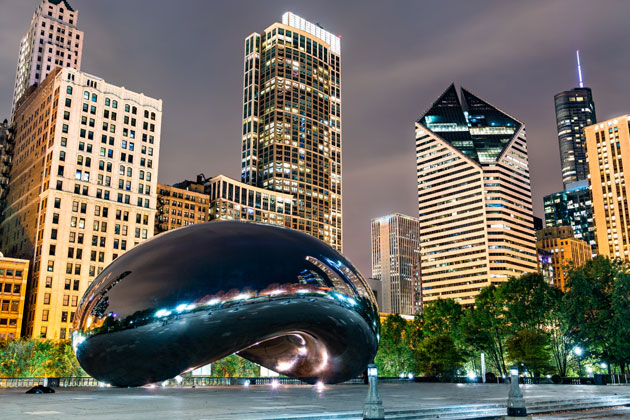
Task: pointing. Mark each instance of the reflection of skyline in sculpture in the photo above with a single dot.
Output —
(278, 297)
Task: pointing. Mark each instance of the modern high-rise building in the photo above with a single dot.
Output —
(291, 138)
(51, 40)
(572, 207)
(608, 152)
(395, 251)
(82, 189)
(180, 205)
(474, 197)
(13, 276)
(565, 251)
(575, 110)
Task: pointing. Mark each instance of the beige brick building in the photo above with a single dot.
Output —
(52, 40)
(181, 206)
(608, 156)
(13, 276)
(565, 250)
(82, 188)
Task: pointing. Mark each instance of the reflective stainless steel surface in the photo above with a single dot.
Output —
(191, 296)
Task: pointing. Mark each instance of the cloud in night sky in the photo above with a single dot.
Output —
(397, 57)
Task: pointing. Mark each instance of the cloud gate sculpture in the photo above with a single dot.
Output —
(191, 296)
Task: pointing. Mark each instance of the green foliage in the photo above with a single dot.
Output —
(442, 317)
(528, 301)
(38, 358)
(438, 356)
(530, 347)
(588, 306)
(523, 320)
(396, 346)
(485, 328)
(234, 366)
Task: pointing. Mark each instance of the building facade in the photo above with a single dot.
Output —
(291, 138)
(51, 40)
(575, 110)
(234, 200)
(565, 251)
(178, 207)
(82, 188)
(6, 159)
(572, 207)
(395, 248)
(474, 198)
(608, 152)
(13, 276)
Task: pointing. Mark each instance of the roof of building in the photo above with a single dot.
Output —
(479, 130)
(56, 2)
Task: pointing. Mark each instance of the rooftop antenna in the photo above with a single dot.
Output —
(579, 69)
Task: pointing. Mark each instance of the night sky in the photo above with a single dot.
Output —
(397, 57)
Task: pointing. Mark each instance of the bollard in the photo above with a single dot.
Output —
(373, 409)
(516, 404)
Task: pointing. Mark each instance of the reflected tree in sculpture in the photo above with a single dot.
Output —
(188, 297)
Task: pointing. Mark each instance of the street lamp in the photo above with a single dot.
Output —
(578, 352)
(516, 403)
(373, 409)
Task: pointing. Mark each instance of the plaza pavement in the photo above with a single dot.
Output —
(265, 402)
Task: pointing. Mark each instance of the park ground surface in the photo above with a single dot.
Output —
(265, 402)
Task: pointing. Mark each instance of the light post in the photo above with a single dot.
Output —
(373, 409)
(578, 352)
(516, 404)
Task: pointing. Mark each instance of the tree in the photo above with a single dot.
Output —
(38, 358)
(620, 338)
(234, 366)
(438, 356)
(588, 307)
(394, 353)
(485, 329)
(528, 301)
(530, 347)
(442, 317)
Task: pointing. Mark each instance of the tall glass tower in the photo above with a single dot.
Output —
(575, 110)
(291, 134)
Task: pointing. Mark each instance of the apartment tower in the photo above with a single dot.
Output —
(395, 252)
(291, 134)
(608, 152)
(474, 198)
(52, 40)
(82, 189)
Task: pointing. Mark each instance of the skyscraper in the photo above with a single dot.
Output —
(51, 40)
(608, 151)
(82, 189)
(575, 110)
(572, 207)
(395, 252)
(474, 198)
(291, 138)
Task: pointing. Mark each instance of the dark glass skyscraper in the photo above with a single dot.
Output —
(572, 207)
(575, 110)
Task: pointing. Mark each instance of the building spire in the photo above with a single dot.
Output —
(579, 68)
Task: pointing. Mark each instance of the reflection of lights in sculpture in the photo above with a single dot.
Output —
(188, 297)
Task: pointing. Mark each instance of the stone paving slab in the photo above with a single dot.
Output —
(258, 402)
